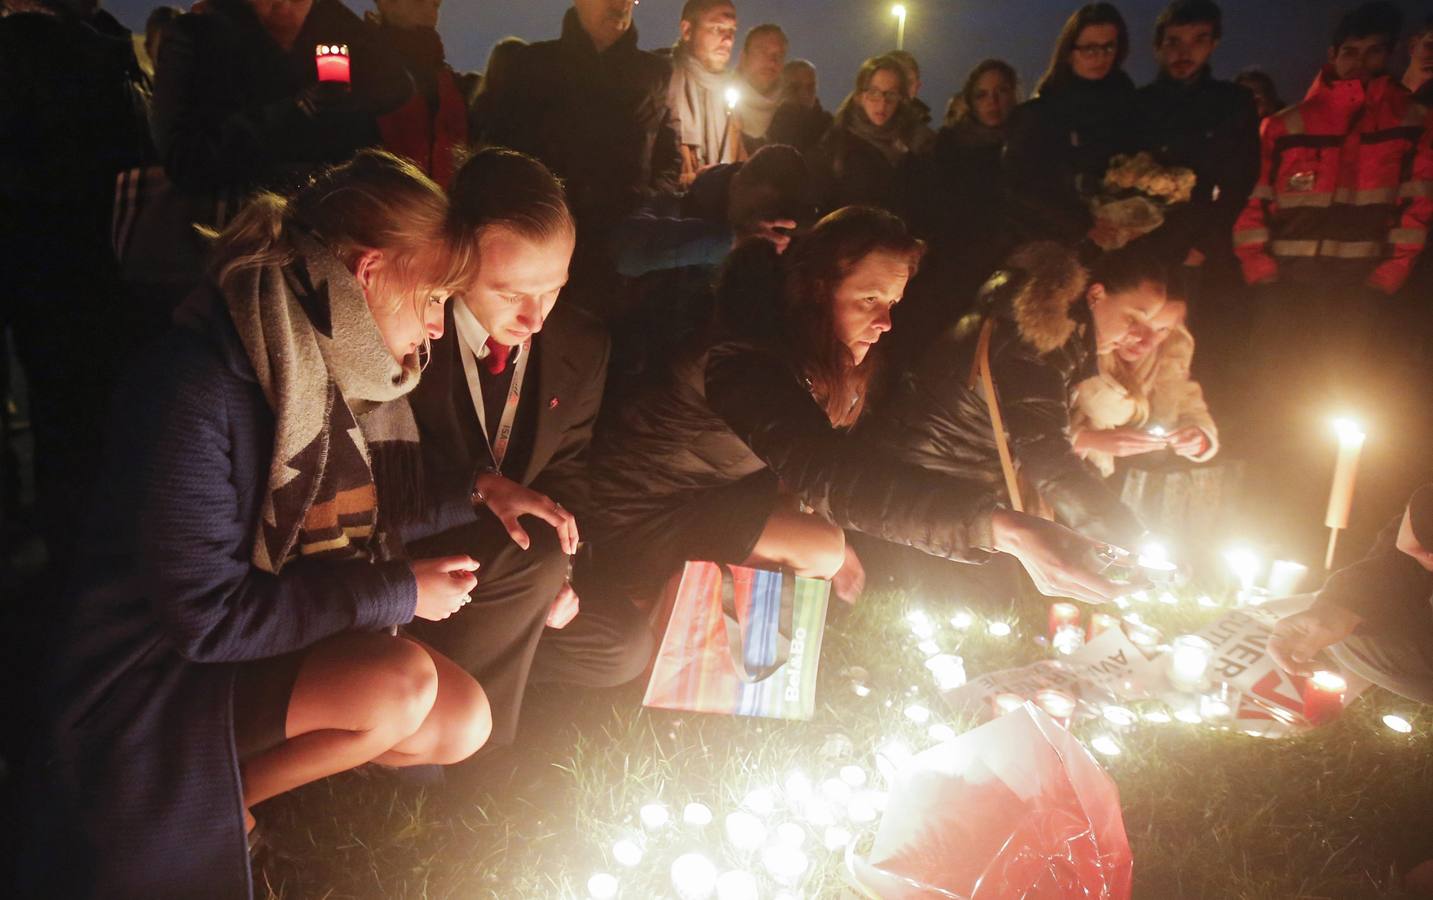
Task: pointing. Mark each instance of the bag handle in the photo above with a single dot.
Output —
(736, 643)
(980, 371)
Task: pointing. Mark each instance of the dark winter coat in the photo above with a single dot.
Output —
(1058, 146)
(598, 120)
(1042, 346)
(136, 791)
(798, 126)
(1209, 126)
(734, 406)
(850, 171)
(226, 112)
(71, 117)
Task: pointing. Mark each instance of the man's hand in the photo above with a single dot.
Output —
(507, 500)
(564, 608)
(1190, 442)
(1297, 639)
(1119, 442)
(777, 231)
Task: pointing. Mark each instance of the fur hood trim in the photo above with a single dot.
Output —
(1045, 280)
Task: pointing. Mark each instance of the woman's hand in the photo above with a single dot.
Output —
(1189, 442)
(1297, 639)
(443, 585)
(1059, 561)
(507, 500)
(1119, 442)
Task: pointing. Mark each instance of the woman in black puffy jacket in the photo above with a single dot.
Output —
(719, 460)
(1047, 322)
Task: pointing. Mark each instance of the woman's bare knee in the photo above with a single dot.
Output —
(466, 721)
(401, 685)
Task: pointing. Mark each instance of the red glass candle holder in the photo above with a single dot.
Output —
(333, 63)
(1063, 613)
(1323, 697)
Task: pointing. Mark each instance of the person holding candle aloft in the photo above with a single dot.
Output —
(1144, 399)
(1375, 617)
(238, 106)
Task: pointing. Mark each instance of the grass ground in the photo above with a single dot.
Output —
(1210, 814)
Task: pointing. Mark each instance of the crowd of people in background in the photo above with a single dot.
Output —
(428, 382)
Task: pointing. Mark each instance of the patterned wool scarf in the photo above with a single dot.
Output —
(338, 401)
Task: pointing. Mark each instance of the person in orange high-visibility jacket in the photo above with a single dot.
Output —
(1345, 193)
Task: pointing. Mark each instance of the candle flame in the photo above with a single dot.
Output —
(1329, 681)
(899, 10)
(1349, 431)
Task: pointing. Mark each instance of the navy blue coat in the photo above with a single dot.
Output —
(136, 785)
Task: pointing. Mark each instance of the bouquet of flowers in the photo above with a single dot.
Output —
(1132, 200)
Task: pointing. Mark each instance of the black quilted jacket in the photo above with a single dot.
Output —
(1043, 344)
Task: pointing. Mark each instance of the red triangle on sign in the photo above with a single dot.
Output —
(1278, 689)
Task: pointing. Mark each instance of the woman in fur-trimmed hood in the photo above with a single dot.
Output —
(1049, 319)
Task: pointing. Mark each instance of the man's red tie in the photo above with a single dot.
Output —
(497, 358)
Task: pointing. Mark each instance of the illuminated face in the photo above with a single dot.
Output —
(710, 38)
(1362, 58)
(1161, 326)
(1093, 55)
(761, 62)
(517, 283)
(1420, 52)
(882, 97)
(409, 13)
(1407, 542)
(1185, 50)
(801, 86)
(405, 321)
(864, 300)
(1123, 320)
(605, 21)
(992, 99)
(282, 19)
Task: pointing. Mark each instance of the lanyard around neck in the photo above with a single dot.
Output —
(498, 445)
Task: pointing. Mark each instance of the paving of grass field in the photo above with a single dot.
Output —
(1210, 814)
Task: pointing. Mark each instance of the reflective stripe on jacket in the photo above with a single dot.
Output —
(1345, 187)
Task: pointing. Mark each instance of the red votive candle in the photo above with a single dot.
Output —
(333, 64)
(1063, 613)
(1323, 697)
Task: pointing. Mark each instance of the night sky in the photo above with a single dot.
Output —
(1286, 37)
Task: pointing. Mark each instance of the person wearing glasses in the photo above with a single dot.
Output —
(701, 108)
(875, 150)
(1059, 143)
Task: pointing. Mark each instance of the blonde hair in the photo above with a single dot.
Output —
(376, 201)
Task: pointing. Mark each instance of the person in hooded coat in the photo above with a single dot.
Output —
(1045, 320)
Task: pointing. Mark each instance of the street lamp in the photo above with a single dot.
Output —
(899, 11)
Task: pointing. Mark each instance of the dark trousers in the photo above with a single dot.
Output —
(501, 637)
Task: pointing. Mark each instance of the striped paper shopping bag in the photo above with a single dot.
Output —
(741, 641)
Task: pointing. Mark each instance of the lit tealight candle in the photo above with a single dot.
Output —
(855, 776)
(1398, 724)
(785, 864)
(1105, 745)
(836, 838)
(1005, 703)
(332, 62)
(693, 876)
(698, 814)
(999, 629)
(1119, 716)
(940, 732)
(1189, 658)
(1060, 705)
(1323, 697)
(627, 852)
(760, 801)
(737, 885)
(745, 831)
(918, 714)
(962, 620)
(653, 816)
(602, 886)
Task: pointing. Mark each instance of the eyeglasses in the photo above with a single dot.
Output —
(876, 96)
(1090, 51)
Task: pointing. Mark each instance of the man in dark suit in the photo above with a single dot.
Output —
(512, 389)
